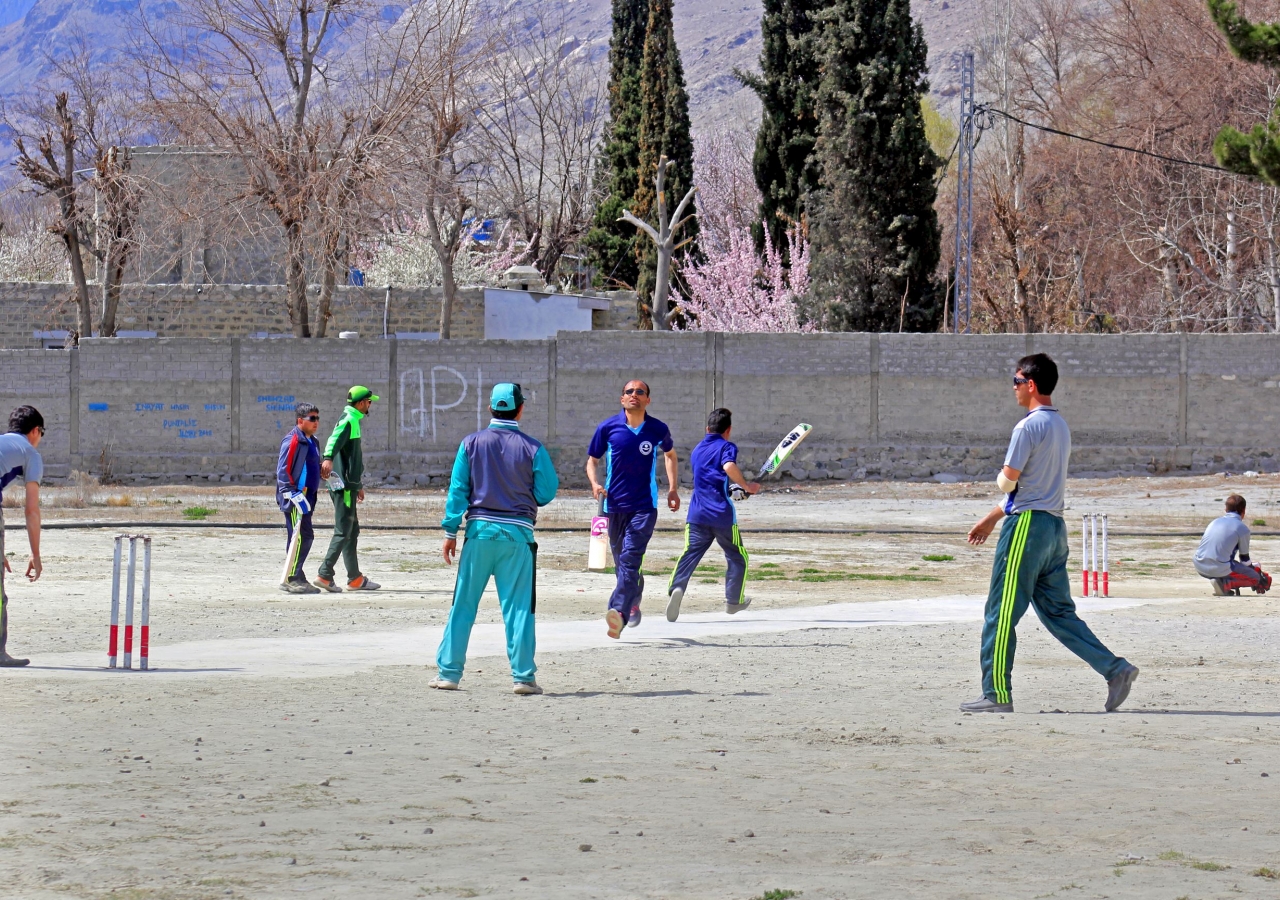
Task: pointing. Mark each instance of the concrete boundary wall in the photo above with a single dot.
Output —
(883, 406)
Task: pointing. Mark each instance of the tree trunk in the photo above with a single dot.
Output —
(333, 258)
(1273, 262)
(72, 242)
(1231, 281)
(296, 280)
(449, 289)
(658, 313)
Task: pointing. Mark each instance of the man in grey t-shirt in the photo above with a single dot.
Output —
(1030, 567)
(1216, 558)
(19, 460)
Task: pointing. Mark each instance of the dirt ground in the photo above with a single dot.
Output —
(825, 758)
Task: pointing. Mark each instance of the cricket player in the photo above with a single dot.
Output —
(628, 444)
(343, 465)
(501, 476)
(297, 489)
(19, 459)
(713, 516)
(1031, 557)
(1216, 559)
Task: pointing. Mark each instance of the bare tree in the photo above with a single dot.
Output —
(309, 99)
(664, 238)
(52, 169)
(541, 124)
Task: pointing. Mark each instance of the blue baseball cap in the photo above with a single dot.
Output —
(506, 397)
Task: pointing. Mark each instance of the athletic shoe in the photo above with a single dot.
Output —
(735, 608)
(634, 619)
(526, 688)
(982, 704)
(673, 604)
(1118, 688)
(10, 662)
(363, 584)
(298, 587)
(327, 584)
(442, 684)
(616, 623)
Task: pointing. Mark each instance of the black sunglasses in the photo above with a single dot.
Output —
(1018, 380)
(312, 418)
(639, 392)
(41, 427)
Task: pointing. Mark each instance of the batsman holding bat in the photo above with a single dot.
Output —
(713, 517)
(1031, 557)
(297, 484)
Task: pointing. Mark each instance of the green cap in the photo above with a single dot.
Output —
(360, 392)
(506, 397)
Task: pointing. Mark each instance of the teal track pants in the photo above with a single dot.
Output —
(511, 565)
(1031, 568)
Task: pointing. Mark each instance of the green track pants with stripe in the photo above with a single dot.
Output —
(1031, 568)
(346, 536)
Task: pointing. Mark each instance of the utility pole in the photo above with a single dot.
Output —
(964, 199)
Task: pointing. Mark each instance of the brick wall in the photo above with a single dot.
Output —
(883, 406)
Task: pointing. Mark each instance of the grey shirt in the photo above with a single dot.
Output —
(18, 460)
(1040, 449)
(1224, 537)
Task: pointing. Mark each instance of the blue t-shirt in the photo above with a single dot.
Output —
(18, 460)
(630, 461)
(1040, 449)
(711, 503)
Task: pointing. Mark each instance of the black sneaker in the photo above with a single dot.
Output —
(1118, 688)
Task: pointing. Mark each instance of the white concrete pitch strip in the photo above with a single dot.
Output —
(342, 654)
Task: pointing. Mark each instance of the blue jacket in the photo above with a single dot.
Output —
(298, 468)
(500, 476)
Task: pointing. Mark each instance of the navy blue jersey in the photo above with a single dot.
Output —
(297, 468)
(711, 504)
(630, 461)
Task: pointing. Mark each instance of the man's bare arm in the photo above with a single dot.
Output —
(597, 490)
(673, 480)
(31, 512)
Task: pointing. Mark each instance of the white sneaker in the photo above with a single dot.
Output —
(673, 604)
(442, 684)
(526, 687)
(615, 623)
(735, 608)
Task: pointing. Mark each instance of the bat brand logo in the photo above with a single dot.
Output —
(646, 448)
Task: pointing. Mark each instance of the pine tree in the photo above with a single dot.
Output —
(876, 243)
(784, 167)
(1256, 154)
(664, 131)
(609, 243)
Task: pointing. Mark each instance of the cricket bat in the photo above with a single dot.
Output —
(795, 437)
(598, 554)
(293, 544)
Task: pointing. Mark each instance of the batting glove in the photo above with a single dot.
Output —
(300, 500)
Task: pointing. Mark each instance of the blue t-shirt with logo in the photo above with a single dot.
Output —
(711, 504)
(630, 461)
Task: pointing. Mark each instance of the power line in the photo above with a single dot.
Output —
(991, 110)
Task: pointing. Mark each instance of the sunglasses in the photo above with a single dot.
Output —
(639, 392)
(311, 418)
(1019, 381)
(41, 427)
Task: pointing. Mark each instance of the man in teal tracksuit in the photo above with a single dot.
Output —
(501, 476)
(343, 465)
(1031, 557)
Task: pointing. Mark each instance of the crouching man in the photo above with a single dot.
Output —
(1223, 554)
(500, 478)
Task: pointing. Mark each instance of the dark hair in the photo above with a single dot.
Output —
(507, 415)
(648, 390)
(25, 419)
(305, 409)
(720, 421)
(1235, 504)
(1038, 367)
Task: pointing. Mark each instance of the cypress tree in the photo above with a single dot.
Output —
(876, 243)
(1257, 153)
(783, 164)
(664, 131)
(609, 242)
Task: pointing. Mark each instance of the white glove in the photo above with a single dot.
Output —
(299, 500)
(737, 493)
